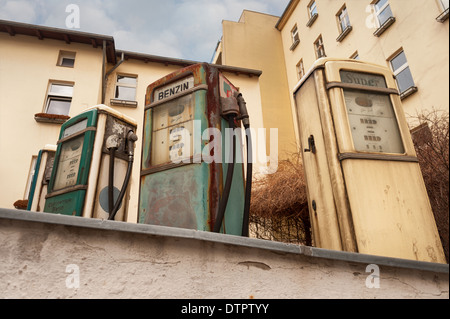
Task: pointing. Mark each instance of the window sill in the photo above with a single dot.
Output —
(408, 92)
(294, 45)
(344, 33)
(117, 102)
(384, 27)
(51, 118)
(443, 16)
(312, 19)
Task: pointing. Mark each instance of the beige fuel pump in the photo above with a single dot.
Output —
(366, 192)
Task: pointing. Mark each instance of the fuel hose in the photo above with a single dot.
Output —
(228, 181)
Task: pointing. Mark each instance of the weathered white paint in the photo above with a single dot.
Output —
(43, 255)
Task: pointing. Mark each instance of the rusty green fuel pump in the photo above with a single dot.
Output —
(192, 172)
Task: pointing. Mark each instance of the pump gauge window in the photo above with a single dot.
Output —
(372, 122)
(172, 130)
(69, 163)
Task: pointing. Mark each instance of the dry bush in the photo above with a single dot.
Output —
(279, 206)
(431, 140)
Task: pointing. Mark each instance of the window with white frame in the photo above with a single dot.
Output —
(355, 56)
(383, 12)
(66, 59)
(294, 34)
(126, 88)
(300, 69)
(343, 19)
(312, 13)
(59, 98)
(319, 48)
(295, 37)
(444, 9)
(312, 9)
(402, 74)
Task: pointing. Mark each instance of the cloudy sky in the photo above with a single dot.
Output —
(185, 29)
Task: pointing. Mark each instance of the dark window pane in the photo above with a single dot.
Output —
(58, 106)
(68, 62)
(380, 4)
(404, 80)
(125, 93)
(398, 61)
(385, 15)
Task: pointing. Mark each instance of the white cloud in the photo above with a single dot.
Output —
(187, 29)
(23, 11)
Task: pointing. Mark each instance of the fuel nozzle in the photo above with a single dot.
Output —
(131, 139)
(242, 109)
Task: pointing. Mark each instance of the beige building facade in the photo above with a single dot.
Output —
(254, 43)
(49, 75)
(409, 37)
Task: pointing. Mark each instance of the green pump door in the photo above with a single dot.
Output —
(68, 184)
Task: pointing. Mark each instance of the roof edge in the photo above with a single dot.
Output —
(286, 14)
(184, 63)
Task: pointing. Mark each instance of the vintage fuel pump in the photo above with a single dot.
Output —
(365, 189)
(192, 173)
(92, 165)
(41, 178)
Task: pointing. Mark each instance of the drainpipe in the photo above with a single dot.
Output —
(105, 78)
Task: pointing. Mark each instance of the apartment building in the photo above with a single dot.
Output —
(49, 75)
(409, 37)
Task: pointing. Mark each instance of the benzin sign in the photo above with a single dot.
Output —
(174, 89)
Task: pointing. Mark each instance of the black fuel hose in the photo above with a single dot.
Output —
(122, 191)
(112, 152)
(248, 185)
(131, 137)
(229, 179)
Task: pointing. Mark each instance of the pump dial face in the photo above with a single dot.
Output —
(372, 122)
(69, 163)
(172, 130)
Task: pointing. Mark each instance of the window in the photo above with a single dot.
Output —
(444, 4)
(444, 7)
(295, 38)
(384, 16)
(312, 13)
(300, 69)
(59, 98)
(66, 59)
(319, 48)
(126, 88)
(312, 8)
(403, 75)
(343, 24)
(344, 21)
(355, 56)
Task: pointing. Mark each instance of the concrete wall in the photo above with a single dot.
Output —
(54, 256)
